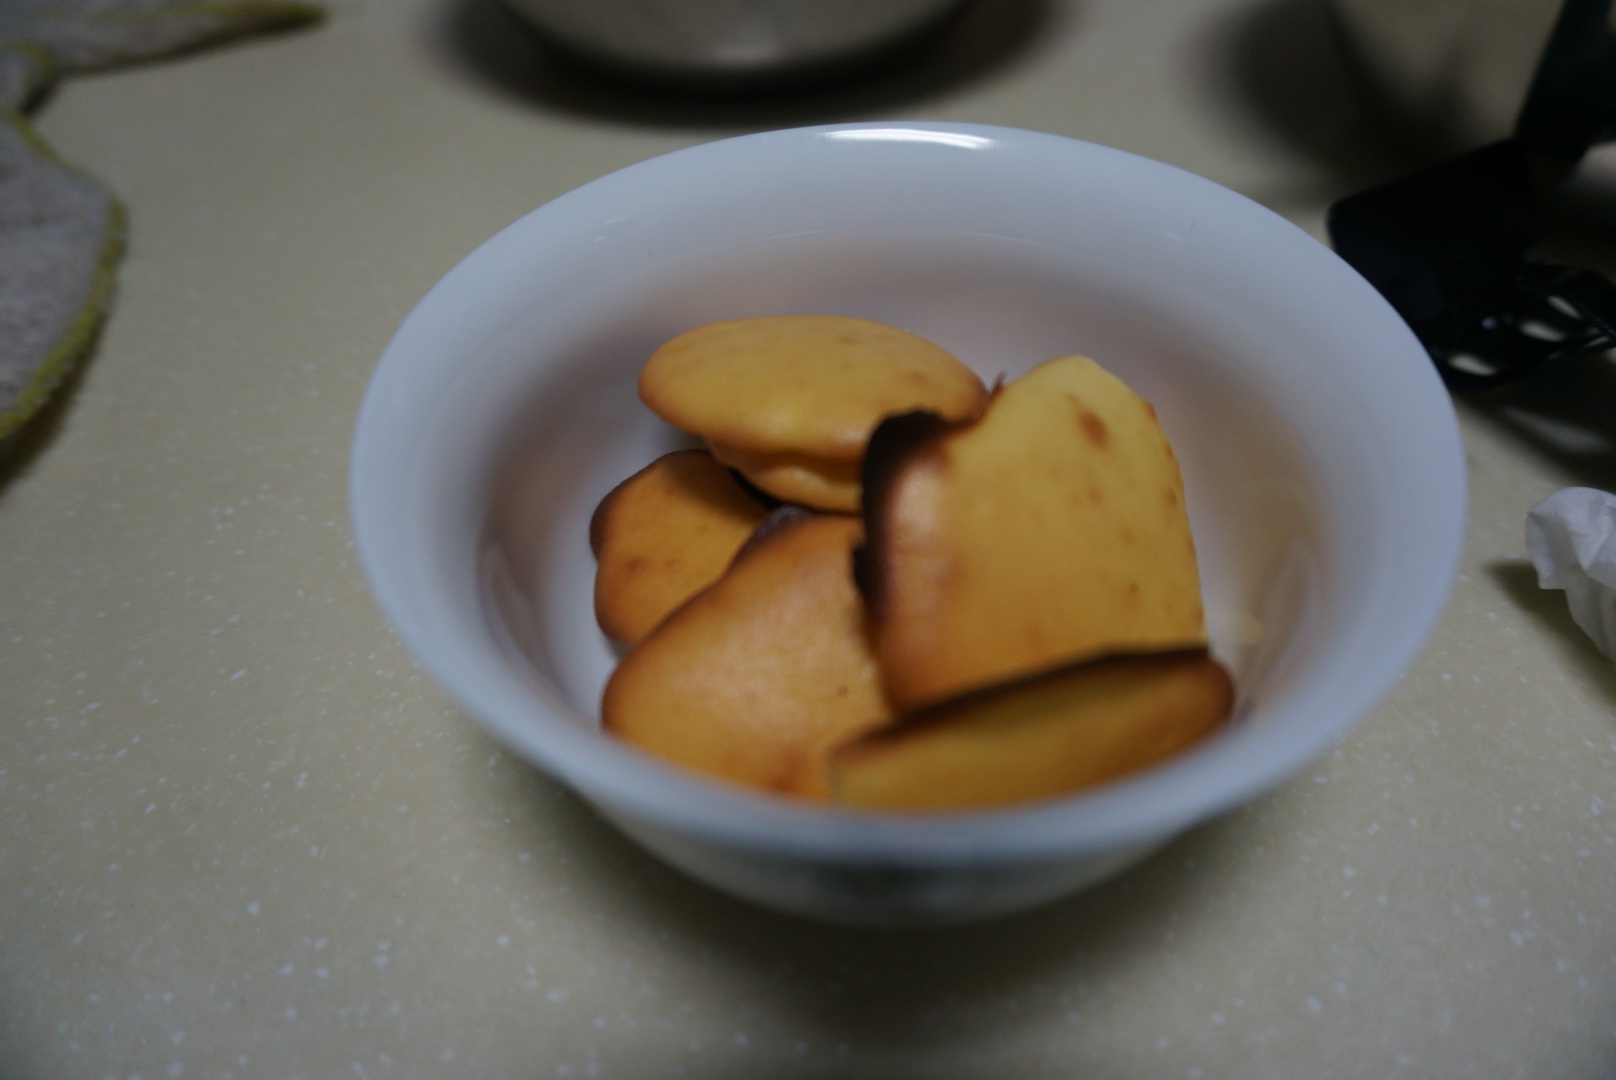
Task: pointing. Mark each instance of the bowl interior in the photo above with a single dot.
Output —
(1261, 520)
(1321, 463)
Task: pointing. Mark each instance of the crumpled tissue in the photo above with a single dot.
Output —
(1571, 539)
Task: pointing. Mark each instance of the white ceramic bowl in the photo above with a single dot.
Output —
(1323, 469)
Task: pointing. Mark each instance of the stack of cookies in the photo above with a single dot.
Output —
(882, 584)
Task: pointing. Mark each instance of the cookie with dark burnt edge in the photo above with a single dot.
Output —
(790, 400)
(813, 385)
(893, 445)
(1038, 737)
(1049, 529)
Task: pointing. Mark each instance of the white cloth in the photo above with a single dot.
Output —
(60, 237)
(61, 232)
(1571, 539)
(42, 40)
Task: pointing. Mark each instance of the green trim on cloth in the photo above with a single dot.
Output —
(64, 303)
(62, 233)
(26, 72)
(91, 35)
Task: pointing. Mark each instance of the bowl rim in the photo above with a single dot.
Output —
(1139, 809)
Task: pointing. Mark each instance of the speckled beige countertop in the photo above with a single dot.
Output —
(241, 835)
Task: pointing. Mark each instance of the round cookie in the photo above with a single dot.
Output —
(822, 483)
(813, 385)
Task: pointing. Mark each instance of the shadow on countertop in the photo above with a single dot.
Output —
(1284, 69)
(1564, 416)
(897, 996)
(1547, 607)
(486, 40)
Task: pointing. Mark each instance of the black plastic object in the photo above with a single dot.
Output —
(1450, 246)
(1572, 101)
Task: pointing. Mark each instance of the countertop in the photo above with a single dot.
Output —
(241, 835)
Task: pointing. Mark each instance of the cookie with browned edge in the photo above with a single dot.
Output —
(1049, 530)
(790, 400)
(1037, 738)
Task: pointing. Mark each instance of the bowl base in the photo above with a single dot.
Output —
(886, 895)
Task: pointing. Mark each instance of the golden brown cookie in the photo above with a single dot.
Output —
(1050, 530)
(1037, 738)
(821, 483)
(663, 535)
(814, 385)
(760, 675)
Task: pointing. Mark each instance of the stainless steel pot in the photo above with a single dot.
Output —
(728, 39)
